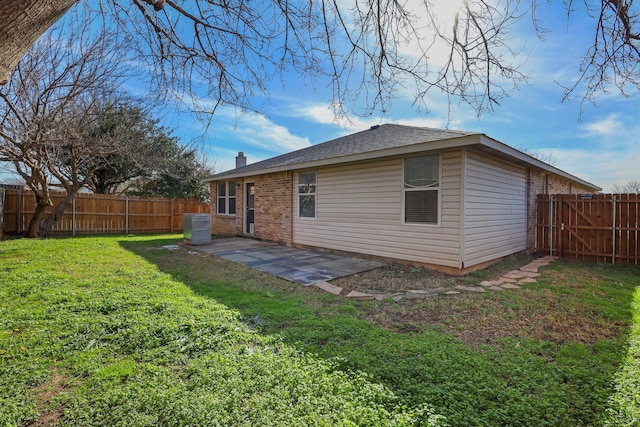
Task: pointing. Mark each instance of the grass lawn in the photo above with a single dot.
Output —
(119, 331)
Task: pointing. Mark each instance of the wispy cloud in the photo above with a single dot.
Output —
(323, 114)
(259, 131)
(609, 126)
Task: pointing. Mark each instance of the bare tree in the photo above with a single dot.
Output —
(225, 50)
(631, 186)
(48, 105)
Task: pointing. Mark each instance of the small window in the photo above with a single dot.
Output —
(307, 194)
(226, 198)
(422, 189)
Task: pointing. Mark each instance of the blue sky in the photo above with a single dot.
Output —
(601, 145)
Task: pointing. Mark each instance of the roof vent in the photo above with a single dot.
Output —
(374, 127)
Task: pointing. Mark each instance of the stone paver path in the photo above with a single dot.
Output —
(512, 280)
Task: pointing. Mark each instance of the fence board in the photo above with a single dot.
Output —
(594, 228)
(103, 214)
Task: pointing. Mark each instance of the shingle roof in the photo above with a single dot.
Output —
(374, 139)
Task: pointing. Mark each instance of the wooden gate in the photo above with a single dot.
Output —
(589, 227)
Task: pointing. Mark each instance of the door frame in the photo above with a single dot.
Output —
(247, 225)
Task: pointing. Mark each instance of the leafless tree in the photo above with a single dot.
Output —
(544, 156)
(225, 50)
(48, 107)
(631, 186)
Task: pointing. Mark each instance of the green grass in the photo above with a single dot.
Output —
(93, 334)
(117, 331)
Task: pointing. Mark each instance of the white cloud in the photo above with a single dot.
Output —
(602, 168)
(257, 130)
(607, 127)
(323, 114)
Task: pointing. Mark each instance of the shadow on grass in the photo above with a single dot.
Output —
(513, 379)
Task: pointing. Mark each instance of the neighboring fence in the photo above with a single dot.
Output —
(589, 227)
(97, 214)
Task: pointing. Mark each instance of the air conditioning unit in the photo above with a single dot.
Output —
(197, 229)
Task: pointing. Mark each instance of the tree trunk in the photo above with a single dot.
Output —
(57, 213)
(34, 222)
(23, 21)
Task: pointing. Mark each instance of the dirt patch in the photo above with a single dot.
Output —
(44, 394)
(551, 310)
(397, 278)
(401, 278)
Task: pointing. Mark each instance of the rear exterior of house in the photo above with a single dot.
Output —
(445, 199)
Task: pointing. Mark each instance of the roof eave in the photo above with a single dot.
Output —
(454, 142)
(489, 142)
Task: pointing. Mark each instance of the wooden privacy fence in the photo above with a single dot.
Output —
(97, 213)
(589, 227)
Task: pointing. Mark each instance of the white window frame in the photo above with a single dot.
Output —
(299, 195)
(226, 197)
(437, 188)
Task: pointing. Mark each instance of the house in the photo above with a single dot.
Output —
(447, 199)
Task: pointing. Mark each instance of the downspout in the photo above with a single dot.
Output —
(463, 207)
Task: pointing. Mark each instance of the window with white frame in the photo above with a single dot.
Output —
(226, 197)
(421, 189)
(307, 194)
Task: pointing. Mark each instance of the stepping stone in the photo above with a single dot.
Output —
(360, 296)
(381, 297)
(532, 268)
(503, 280)
(451, 293)
(478, 289)
(487, 283)
(527, 280)
(328, 287)
(397, 297)
(496, 288)
(418, 291)
(517, 274)
(411, 295)
(541, 263)
(510, 286)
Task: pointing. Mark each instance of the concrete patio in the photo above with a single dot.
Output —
(296, 265)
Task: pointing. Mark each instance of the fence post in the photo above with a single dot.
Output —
(73, 217)
(126, 215)
(2, 193)
(19, 212)
(613, 231)
(172, 199)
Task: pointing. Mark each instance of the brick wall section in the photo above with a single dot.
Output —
(555, 185)
(226, 225)
(274, 207)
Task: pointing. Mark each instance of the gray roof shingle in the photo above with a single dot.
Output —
(374, 139)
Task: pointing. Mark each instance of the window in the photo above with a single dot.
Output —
(307, 194)
(421, 189)
(226, 197)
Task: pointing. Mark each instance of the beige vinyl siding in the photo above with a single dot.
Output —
(360, 208)
(495, 222)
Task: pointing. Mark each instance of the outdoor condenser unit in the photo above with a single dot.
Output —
(197, 229)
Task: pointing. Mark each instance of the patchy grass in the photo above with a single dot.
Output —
(97, 333)
(93, 334)
(547, 354)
